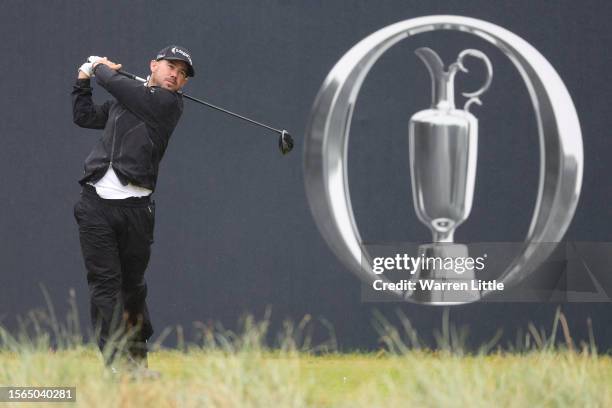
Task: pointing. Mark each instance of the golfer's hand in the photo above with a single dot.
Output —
(106, 62)
(85, 70)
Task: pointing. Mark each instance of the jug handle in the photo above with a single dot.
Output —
(474, 97)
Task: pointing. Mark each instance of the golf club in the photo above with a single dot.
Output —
(285, 141)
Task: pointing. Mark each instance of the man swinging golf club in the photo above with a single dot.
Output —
(115, 213)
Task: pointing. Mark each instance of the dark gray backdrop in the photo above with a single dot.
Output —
(234, 232)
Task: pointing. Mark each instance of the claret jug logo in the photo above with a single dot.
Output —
(448, 137)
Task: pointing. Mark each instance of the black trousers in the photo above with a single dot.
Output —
(116, 238)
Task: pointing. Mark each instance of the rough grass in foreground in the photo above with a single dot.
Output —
(257, 378)
(226, 369)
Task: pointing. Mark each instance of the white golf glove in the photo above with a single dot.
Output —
(87, 68)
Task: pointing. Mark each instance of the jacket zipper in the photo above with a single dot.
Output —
(114, 138)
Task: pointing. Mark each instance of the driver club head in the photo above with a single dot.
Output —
(285, 142)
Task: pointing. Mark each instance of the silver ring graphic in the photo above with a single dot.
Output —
(327, 136)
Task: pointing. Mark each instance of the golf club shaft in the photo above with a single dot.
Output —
(210, 105)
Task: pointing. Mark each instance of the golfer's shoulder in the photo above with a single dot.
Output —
(166, 98)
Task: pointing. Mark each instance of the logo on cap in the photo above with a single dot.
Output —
(183, 53)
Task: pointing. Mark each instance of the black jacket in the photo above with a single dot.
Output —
(137, 127)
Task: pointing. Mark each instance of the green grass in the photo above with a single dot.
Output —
(257, 378)
(226, 369)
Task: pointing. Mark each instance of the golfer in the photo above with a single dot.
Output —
(115, 212)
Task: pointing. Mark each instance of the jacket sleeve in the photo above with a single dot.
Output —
(156, 106)
(84, 112)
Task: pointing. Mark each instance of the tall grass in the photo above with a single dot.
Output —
(224, 368)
